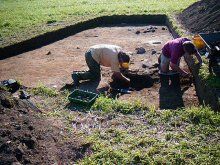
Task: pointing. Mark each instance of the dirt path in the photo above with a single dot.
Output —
(53, 64)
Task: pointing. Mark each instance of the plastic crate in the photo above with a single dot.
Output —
(82, 97)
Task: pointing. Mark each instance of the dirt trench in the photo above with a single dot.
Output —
(53, 64)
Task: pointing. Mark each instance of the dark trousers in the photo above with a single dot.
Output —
(93, 73)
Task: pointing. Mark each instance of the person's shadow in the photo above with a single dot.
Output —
(170, 96)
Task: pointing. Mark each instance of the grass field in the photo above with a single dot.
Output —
(23, 19)
(133, 133)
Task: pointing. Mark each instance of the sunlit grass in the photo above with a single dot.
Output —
(23, 19)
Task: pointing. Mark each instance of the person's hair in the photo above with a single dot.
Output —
(123, 57)
(189, 47)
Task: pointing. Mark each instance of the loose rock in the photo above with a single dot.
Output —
(140, 50)
(153, 51)
(137, 32)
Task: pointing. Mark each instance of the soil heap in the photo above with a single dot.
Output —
(24, 139)
(202, 16)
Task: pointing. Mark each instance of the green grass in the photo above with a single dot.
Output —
(211, 80)
(44, 91)
(193, 141)
(107, 105)
(23, 19)
(132, 133)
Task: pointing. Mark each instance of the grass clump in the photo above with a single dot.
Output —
(106, 105)
(211, 79)
(44, 91)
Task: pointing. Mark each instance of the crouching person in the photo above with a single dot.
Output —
(172, 52)
(111, 56)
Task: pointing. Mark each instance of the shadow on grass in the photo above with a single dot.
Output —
(171, 96)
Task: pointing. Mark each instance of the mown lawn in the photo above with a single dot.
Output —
(136, 133)
(23, 19)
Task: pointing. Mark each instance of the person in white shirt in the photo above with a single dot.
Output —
(106, 55)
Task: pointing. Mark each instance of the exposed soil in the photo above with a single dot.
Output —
(24, 139)
(202, 16)
(53, 64)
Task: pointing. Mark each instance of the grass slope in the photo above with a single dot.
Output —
(23, 19)
(133, 133)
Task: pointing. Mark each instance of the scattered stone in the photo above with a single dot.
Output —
(30, 127)
(17, 127)
(144, 65)
(140, 50)
(156, 42)
(129, 29)
(146, 31)
(11, 84)
(48, 53)
(153, 52)
(137, 32)
(152, 30)
(24, 95)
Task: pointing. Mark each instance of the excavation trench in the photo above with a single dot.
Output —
(52, 63)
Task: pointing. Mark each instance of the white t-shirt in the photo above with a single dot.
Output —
(106, 55)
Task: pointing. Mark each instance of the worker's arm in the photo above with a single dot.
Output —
(121, 77)
(176, 68)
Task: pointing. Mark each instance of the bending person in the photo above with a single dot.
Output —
(111, 56)
(172, 52)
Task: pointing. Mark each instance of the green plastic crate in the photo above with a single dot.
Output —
(82, 97)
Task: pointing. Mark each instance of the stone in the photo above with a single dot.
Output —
(24, 95)
(137, 32)
(153, 51)
(48, 53)
(146, 31)
(140, 50)
(152, 30)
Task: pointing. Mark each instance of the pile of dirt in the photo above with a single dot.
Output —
(202, 16)
(24, 139)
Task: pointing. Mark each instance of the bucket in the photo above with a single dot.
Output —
(198, 42)
(175, 80)
(164, 80)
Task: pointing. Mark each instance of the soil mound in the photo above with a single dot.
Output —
(24, 139)
(202, 16)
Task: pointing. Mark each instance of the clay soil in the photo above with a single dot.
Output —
(53, 64)
(24, 139)
(202, 16)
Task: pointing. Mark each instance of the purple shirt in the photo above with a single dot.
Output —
(174, 49)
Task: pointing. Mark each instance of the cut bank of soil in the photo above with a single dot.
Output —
(27, 138)
(202, 16)
(53, 64)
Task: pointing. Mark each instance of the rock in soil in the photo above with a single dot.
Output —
(140, 50)
(137, 32)
(153, 51)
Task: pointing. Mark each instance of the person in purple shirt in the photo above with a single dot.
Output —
(172, 52)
